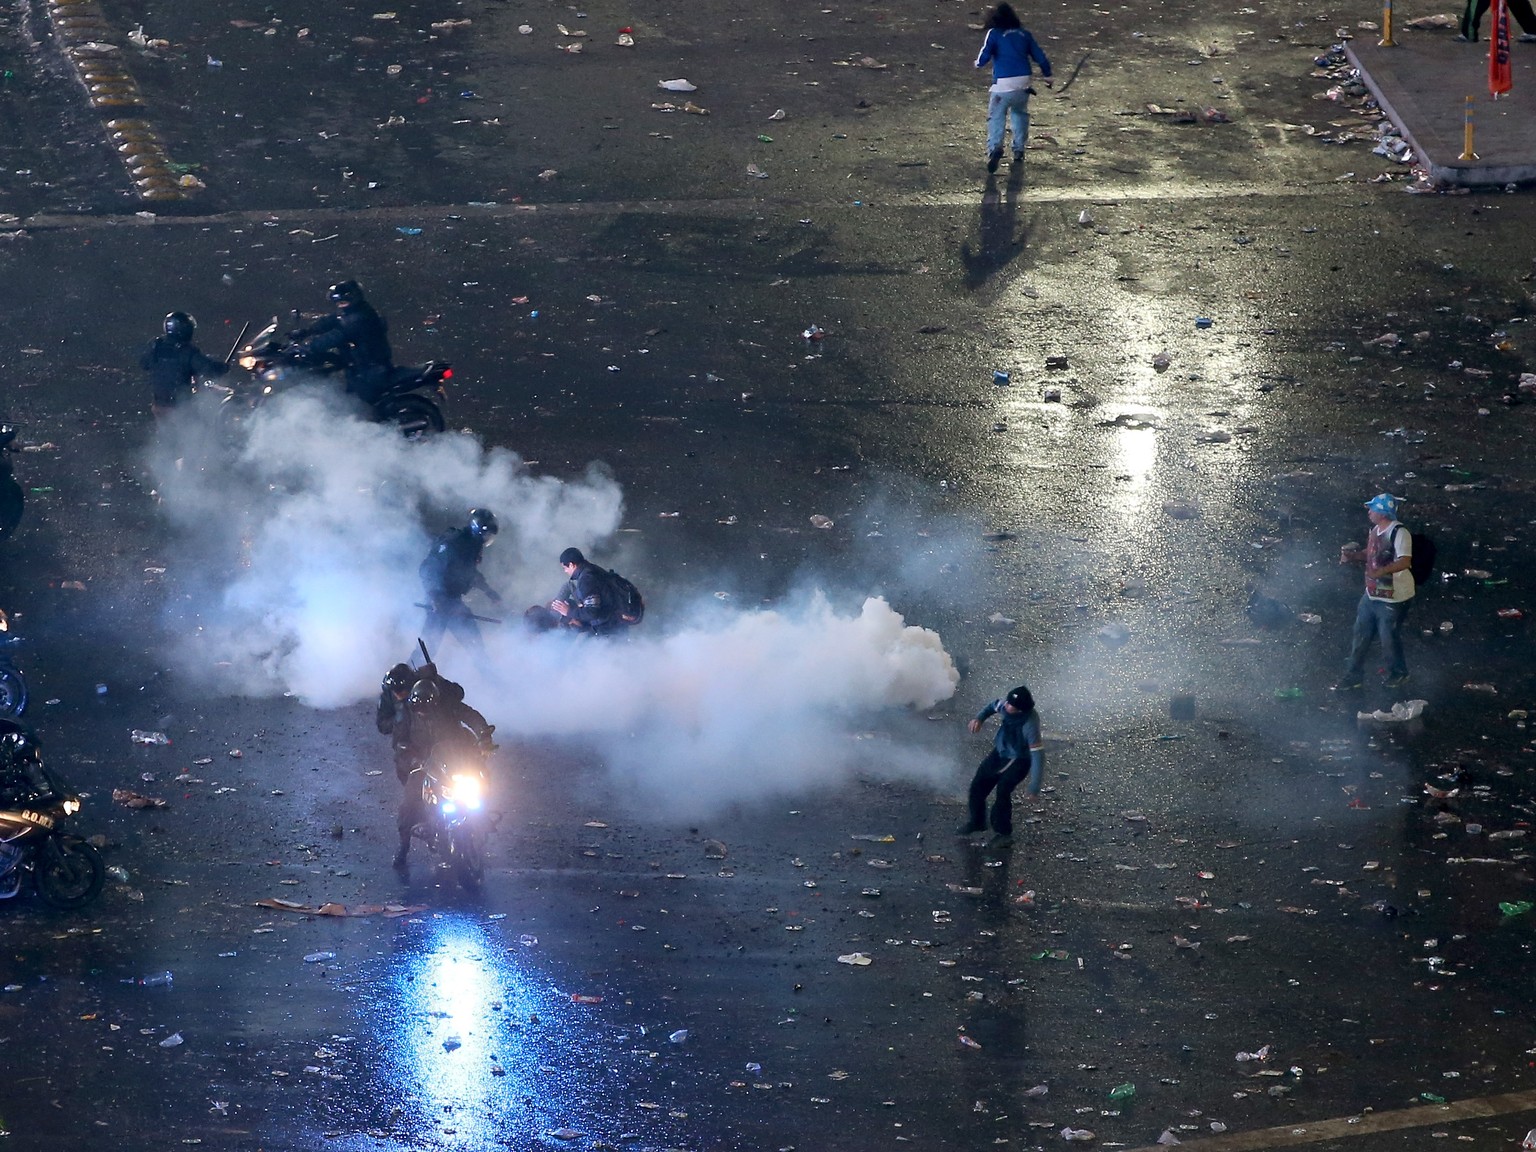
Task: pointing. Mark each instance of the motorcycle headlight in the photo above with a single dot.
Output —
(248, 363)
(463, 790)
(71, 806)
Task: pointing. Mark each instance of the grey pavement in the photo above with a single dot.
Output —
(1423, 83)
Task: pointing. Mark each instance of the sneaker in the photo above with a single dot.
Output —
(1464, 39)
(969, 829)
(1346, 685)
(1395, 681)
(994, 160)
(999, 839)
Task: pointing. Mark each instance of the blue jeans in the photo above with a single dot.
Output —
(1383, 620)
(1014, 108)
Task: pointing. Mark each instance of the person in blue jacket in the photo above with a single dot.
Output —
(1009, 48)
(1017, 750)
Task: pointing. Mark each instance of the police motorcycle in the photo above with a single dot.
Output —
(453, 793)
(271, 362)
(13, 686)
(12, 499)
(36, 852)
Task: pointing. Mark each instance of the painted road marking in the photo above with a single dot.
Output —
(1365, 1124)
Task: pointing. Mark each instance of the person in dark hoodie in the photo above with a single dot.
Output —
(1009, 48)
(1017, 754)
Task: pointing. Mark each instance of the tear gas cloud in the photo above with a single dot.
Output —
(299, 545)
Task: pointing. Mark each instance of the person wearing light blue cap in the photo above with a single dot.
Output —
(1389, 589)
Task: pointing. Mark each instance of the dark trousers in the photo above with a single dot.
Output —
(413, 809)
(1472, 16)
(1003, 775)
(449, 614)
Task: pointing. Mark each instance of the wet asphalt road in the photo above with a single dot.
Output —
(1296, 849)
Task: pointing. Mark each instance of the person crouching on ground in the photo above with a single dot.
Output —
(1017, 751)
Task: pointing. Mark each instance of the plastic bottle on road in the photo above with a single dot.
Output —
(1122, 1091)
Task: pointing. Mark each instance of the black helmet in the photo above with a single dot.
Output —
(572, 556)
(347, 293)
(179, 326)
(1021, 698)
(482, 522)
(424, 692)
(400, 678)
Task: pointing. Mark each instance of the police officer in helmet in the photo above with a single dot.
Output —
(174, 363)
(357, 336)
(440, 723)
(450, 572)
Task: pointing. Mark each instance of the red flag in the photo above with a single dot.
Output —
(1499, 80)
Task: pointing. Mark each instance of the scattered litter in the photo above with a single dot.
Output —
(1411, 710)
(874, 838)
(1261, 1055)
(968, 1042)
(714, 849)
(1056, 362)
(998, 622)
(625, 40)
(1168, 1138)
(1114, 634)
(1077, 1135)
(1085, 218)
(814, 332)
(1481, 686)
(1181, 509)
(778, 114)
(582, 998)
(820, 521)
(318, 957)
(678, 1037)
(756, 173)
(390, 910)
(1515, 908)
(174, 1040)
(857, 959)
(1438, 20)
(564, 1134)
(134, 800)
(139, 736)
(677, 85)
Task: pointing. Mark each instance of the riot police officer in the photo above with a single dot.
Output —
(174, 363)
(359, 337)
(438, 722)
(450, 572)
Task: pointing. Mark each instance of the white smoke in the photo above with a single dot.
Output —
(300, 552)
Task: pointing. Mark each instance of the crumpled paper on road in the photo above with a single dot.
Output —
(1411, 710)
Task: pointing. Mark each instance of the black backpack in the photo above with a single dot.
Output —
(1422, 562)
(631, 603)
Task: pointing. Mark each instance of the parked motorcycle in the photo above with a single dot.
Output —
(456, 823)
(12, 499)
(411, 399)
(13, 686)
(36, 852)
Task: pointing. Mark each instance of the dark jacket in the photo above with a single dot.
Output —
(452, 568)
(445, 726)
(358, 332)
(1018, 734)
(594, 602)
(173, 366)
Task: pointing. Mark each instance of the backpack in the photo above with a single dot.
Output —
(631, 603)
(1422, 562)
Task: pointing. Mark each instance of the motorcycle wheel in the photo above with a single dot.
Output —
(70, 872)
(467, 852)
(13, 693)
(415, 416)
(12, 501)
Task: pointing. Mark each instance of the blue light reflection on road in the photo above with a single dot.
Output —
(472, 1038)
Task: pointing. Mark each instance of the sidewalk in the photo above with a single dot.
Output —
(1422, 85)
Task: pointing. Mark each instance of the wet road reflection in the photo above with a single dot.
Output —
(459, 1020)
